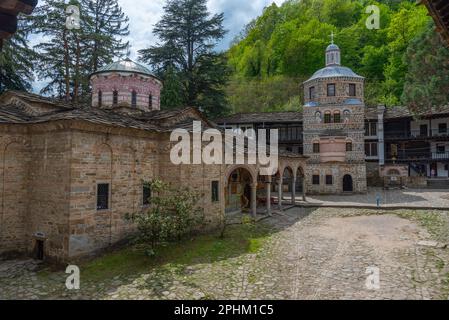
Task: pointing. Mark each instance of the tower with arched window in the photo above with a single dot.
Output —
(334, 128)
(125, 83)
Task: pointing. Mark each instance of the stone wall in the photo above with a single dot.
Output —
(34, 195)
(338, 171)
(50, 174)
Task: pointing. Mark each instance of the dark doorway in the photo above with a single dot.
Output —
(39, 250)
(347, 183)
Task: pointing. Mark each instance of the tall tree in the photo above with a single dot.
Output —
(68, 56)
(188, 35)
(171, 95)
(106, 25)
(427, 79)
(16, 60)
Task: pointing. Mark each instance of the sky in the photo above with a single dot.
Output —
(144, 14)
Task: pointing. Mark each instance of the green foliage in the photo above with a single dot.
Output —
(187, 35)
(16, 59)
(427, 79)
(171, 94)
(289, 41)
(277, 93)
(67, 57)
(173, 213)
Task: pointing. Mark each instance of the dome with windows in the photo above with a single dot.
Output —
(126, 83)
(333, 84)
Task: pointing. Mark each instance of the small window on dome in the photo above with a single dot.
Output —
(134, 99)
(100, 98)
(115, 97)
(150, 101)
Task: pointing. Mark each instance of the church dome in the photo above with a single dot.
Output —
(126, 65)
(332, 47)
(334, 71)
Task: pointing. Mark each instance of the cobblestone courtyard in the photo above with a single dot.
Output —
(308, 254)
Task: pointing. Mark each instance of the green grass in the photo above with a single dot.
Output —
(238, 240)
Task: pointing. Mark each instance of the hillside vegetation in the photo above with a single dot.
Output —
(286, 44)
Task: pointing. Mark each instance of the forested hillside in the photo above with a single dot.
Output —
(286, 45)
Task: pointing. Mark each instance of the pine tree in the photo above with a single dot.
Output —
(427, 79)
(16, 60)
(171, 95)
(69, 56)
(188, 35)
(106, 25)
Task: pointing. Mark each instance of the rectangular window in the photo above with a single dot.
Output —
(374, 149)
(103, 196)
(312, 93)
(371, 149)
(329, 180)
(442, 128)
(373, 129)
(352, 90)
(331, 90)
(316, 148)
(367, 131)
(146, 194)
(316, 179)
(215, 191)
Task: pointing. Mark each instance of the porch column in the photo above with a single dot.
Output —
(304, 189)
(254, 199)
(294, 190)
(280, 194)
(268, 187)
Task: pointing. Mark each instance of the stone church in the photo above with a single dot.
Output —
(69, 174)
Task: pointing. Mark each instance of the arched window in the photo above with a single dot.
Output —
(348, 146)
(134, 99)
(115, 97)
(337, 116)
(100, 98)
(327, 117)
(150, 101)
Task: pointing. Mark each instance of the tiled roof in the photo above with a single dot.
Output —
(126, 65)
(160, 121)
(403, 112)
(334, 71)
(260, 117)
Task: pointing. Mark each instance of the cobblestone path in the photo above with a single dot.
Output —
(313, 254)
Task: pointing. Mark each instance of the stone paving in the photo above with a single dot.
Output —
(312, 254)
(406, 198)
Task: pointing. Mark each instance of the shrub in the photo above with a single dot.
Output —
(172, 214)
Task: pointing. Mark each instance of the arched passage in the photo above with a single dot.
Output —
(239, 191)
